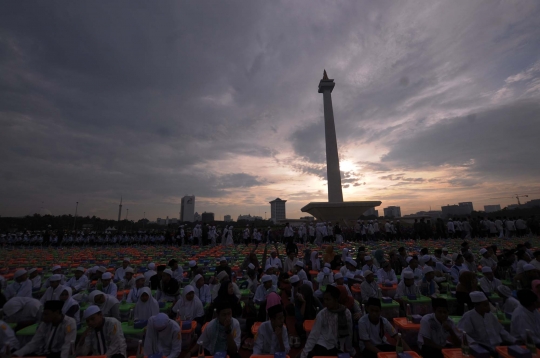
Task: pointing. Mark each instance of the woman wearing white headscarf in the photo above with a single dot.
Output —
(109, 306)
(189, 307)
(315, 262)
(202, 290)
(71, 307)
(146, 306)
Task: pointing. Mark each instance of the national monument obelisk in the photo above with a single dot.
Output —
(335, 209)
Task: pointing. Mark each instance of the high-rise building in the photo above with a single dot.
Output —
(187, 208)
(463, 209)
(227, 218)
(392, 212)
(207, 217)
(467, 205)
(492, 208)
(277, 209)
(197, 217)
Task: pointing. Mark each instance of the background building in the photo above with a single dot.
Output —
(492, 208)
(207, 217)
(187, 208)
(166, 221)
(197, 217)
(467, 205)
(373, 212)
(463, 209)
(227, 218)
(248, 217)
(277, 209)
(392, 212)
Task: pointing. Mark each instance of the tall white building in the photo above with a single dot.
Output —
(392, 211)
(277, 209)
(187, 208)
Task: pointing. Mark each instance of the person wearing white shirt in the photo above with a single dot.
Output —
(457, 267)
(150, 273)
(386, 274)
(103, 337)
(177, 270)
(21, 286)
(108, 287)
(55, 289)
(526, 317)
(446, 257)
(7, 338)
(372, 331)
(163, 335)
(54, 334)
(325, 277)
(536, 261)
(288, 232)
(487, 260)
(34, 278)
(79, 282)
(128, 281)
(56, 270)
(509, 302)
(202, 290)
(369, 287)
(272, 336)
(290, 262)
(369, 265)
(451, 229)
(119, 273)
(315, 261)
(339, 281)
(274, 260)
(332, 331)
(482, 325)
(437, 331)
(489, 283)
(407, 286)
(135, 292)
(22, 310)
(264, 289)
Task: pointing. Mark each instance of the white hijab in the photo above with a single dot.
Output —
(70, 302)
(145, 310)
(106, 306)
(190, 309)
(344, 254)
(315, 263)
(193, 282)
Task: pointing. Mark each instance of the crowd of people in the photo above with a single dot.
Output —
(340, 293)
(204, 234)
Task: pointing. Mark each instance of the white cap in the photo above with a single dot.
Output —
(160, 321)
(368, 272)
(408, 259)
(151, 266)
(486, 269)
(92, 310)
(128, 270)
(56, 267)
(192, 263)
(351, 261)
(55, 278)
(407, 274)
(528, 267)
(222, 259)
(168, 272)
(127, 259)
(482, 251)
(299, 263)
(106, 276)
(326, 271)
(220, 276)
(32, 270)
(20, 272)
(251, 266)
(477, 296)
(266, 278)
(293, 279)
(349, 275)
(337, 276)
(367, 258)
(80, 268)
(327, 265)
(427, 269)
(102, 269)
(504, 290)
(444, 249)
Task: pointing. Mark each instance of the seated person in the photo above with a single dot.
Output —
(163, 335)
(128, 281)
(526, 317)
(54, 290)
(103, 337)
(262, 292)
(79, 282)
(406, 286)
(226, 293)
(189, 307)
(332, 331)
(457, 267)
(108, 287)
(71, 307)
(54, 334)
(372, 328)
(489, 283)
(413, 267)
(21, 286)
(8, 338)
(168, 288)
(437, 331)
(369, 287)
(202, 290)
(306, 306)
(482, 325)
(272, 336)
(369, 265)
(146, 306)
(509, 302)
(429, 286)
(23, 311)
(35, 279)
(108, 305)
(135, 291)
(386, 274)
(222, 334)
(326, 276)
(340, 281)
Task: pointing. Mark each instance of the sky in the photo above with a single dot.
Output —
(435, 103)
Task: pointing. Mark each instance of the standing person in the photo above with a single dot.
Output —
(288, 233)
(450, 228)
(311, 233)
(163, 335)
(332, 331)
(246, 235)
(54, 334)
(437, 331)
(104, 336)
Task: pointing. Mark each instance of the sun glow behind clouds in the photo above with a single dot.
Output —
(346, 166)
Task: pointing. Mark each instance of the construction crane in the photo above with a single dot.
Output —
(516, 196)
